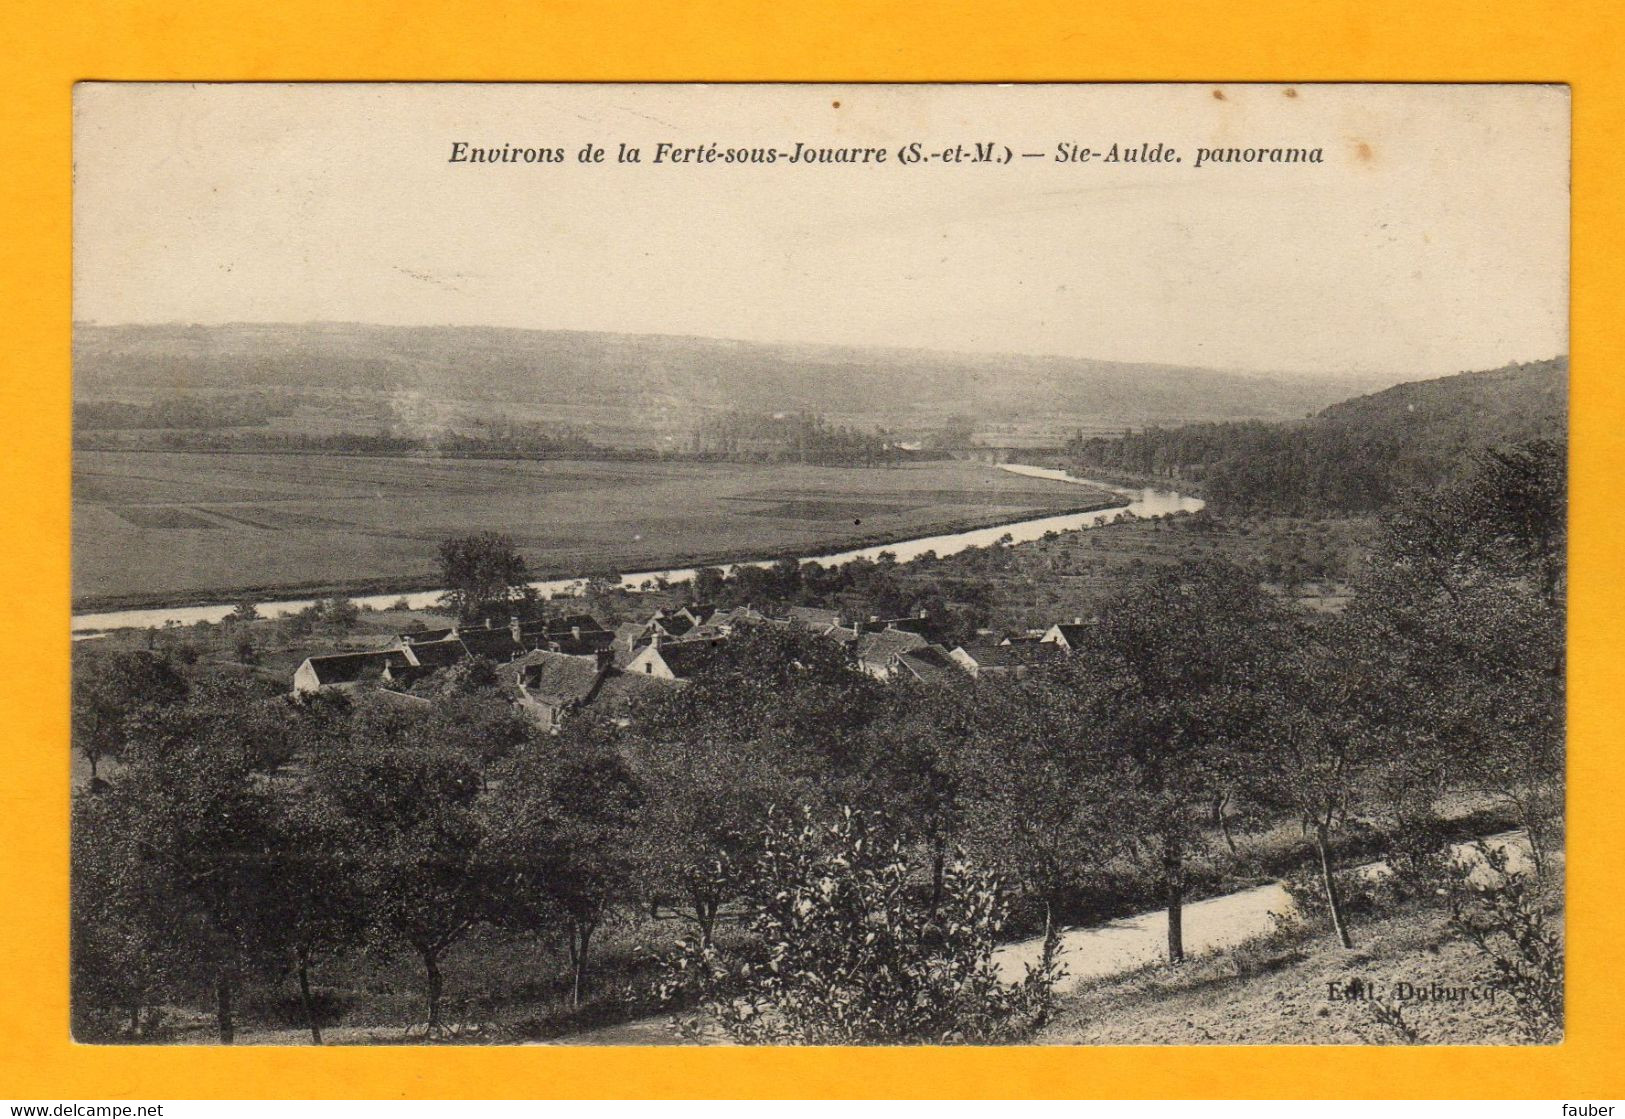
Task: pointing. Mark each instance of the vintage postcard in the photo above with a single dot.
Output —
(819, 564)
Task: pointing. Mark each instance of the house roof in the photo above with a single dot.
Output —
(931, 664)
(348, 668)
(559, 678)
(814, 615)
(880, 647)
(438, 654)
(1073, 633)
(416, 636)
(676, 624)
(587, 641)
(913, 624)
(495, 644)
(619, 689)
(1008, 656)
(629, 632)
(566, 622)
(685, 658)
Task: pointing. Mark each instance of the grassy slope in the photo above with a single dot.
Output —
(1275, 992)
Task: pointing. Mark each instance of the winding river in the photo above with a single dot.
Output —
(1141, 503)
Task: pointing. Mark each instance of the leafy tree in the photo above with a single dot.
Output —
(108, 689)
(121, 909)
(706, 802)
(562, 821)
(317, 904)
(339, 613)
(194, 832)
(416, 836)
(1322, 719)
(1178, 657)
(1466, 595)
(774, 717)
(709, 583)
(1042, 791)
(919, 761)
(484, 575)
(470, 677)
(844, 953)
(244, 611)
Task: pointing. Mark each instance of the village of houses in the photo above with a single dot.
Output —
(572, 663)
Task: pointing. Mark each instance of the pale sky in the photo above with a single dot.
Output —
(1433, 238)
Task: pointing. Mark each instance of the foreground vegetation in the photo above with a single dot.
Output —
(1296, 987)
(250, 844)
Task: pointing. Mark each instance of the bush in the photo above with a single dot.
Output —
(845, 953)
(1504, 914)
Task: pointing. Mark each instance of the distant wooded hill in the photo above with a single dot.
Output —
(1352, 457)
(597, 382)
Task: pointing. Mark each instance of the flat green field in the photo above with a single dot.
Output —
(156, 528)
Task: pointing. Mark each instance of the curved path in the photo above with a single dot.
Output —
(1117, 947)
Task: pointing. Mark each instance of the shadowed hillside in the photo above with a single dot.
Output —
(1352, 457)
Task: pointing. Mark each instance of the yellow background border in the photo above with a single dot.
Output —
(1277, 40)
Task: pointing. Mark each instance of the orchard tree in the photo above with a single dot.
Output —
(1177, 659)
(317, 904)
(123, 906)
(1041, 794)
(773, 718)
(707, 800)
(1323, 715)
(918, 761)
(197, 840)
(562, 823)
(107, 689)
(418, 841)
(1466, 594)
(844, 953)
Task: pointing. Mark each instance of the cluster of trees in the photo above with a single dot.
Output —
(1199, 705)
(196, 412)
(789, 437)
(207, 863)
(482, 442)
(1360, 456)
(957, 605)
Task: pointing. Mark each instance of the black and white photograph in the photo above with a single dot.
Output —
(819, 565)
